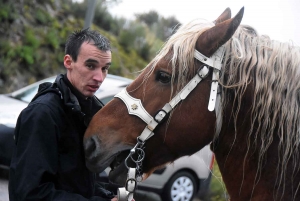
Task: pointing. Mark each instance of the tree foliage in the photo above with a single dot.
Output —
(161, 26)
(149, 18)
(33, 34)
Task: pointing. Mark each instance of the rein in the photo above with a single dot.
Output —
(135, 107)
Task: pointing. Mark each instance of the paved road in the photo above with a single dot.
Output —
(3, 190)
(3, 184)
(139, 196)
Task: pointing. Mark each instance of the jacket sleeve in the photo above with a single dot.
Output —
(35, 159)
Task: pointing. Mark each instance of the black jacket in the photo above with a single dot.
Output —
(48, 162)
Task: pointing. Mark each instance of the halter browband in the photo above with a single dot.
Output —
(135, 106)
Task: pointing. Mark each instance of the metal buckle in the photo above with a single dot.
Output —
(201, 72)
(160, 115)
(130, 187)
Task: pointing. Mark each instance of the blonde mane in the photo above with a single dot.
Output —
(273, 69)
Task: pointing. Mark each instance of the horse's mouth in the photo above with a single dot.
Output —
(119, 159)
(118, 172)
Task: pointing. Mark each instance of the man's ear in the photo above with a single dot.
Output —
(68, 61)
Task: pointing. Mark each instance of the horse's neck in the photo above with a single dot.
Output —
(238, 173)
(238, 163)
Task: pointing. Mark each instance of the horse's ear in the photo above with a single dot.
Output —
(211, 39)
(224, 16)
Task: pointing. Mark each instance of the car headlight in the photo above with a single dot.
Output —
(9, 119)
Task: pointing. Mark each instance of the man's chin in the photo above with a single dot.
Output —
(89, 94)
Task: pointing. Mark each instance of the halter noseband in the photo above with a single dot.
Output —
(135, 107)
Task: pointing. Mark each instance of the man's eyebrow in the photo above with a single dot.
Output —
(95, 61)
(91, 61)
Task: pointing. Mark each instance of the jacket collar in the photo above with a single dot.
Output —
(75, 101)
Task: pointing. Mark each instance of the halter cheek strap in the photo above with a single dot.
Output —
(216, 63)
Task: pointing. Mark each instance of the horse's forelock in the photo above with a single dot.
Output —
(182, 44)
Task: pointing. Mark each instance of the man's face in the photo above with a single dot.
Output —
(90, 69)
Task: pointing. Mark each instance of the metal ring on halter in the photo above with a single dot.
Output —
(133, 151)
(142, 154)
(135, 161)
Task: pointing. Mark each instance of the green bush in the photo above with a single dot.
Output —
(42, 17)
(3, 13)
(217, 187)
(31, 39)
(53, 39)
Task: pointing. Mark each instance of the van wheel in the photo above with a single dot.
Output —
(181, 186)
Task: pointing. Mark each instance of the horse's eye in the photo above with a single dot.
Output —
(163, 77)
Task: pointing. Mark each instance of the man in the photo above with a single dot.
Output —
(48, 162)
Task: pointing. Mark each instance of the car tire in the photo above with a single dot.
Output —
(182, 184)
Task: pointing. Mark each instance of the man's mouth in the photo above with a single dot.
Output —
(93, 88)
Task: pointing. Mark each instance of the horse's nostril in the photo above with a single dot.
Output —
(90, 146)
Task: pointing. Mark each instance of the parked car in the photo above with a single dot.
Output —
(187, 177)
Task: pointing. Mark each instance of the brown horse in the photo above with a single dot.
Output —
(254, 129)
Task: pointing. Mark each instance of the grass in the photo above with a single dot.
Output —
(217, 187)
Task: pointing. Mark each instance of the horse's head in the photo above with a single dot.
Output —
(173, 121)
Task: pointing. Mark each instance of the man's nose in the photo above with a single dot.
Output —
(99, 76)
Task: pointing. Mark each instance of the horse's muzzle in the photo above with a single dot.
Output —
(93, 156)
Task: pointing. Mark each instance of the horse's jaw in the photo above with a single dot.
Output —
(118, 170)
(118, 174)
(99, 157)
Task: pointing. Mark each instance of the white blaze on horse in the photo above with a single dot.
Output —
(213, 82)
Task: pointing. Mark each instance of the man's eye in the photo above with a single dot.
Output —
(105, 68)
(90, 66)
(163, 77)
